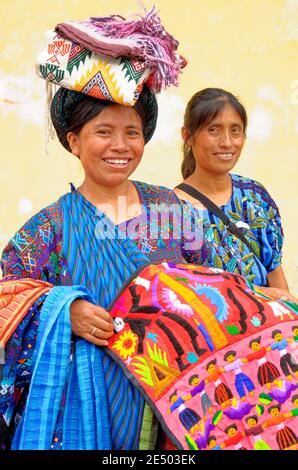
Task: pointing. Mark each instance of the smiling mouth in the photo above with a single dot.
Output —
(224, 156)
(117, 162)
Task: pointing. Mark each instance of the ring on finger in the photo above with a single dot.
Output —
(93, 331)
(284, 297)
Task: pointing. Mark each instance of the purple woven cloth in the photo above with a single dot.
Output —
(143, 38)
(87, 34)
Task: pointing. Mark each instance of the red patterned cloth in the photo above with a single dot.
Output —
(215, 360)
(16, 298)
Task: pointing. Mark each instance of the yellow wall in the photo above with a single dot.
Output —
(249, 47)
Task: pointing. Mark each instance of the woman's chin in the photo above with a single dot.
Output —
(115, 180)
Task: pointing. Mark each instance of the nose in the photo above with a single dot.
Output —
(119, 142)
(225, 139)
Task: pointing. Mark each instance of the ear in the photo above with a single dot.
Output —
(74, 143)
(185, 134)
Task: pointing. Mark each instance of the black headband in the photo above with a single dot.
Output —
(65, 101)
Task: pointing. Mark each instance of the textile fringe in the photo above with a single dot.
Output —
(157, 46)
(49, 128)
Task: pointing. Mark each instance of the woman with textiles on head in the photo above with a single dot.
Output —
(81, 240)
(214, 134)
(60, 389)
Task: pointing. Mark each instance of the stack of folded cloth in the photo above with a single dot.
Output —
(111, 58)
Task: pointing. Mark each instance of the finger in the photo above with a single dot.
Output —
(288, 298)
(292, 298)
(102, 324)
(94, 340)
(110, 319)
(99, 333)
(102, 313)
(284, 295)
(274, 294)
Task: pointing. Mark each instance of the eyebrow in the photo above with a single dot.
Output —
(218, 124)
(110, 124)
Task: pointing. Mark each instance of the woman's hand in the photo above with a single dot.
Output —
(91, 322)
(278, 294)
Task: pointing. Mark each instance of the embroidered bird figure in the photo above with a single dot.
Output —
(172, 301)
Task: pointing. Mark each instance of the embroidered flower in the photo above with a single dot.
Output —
(126, 344)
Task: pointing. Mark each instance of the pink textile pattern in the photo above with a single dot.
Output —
(145, 39)
(216, 361)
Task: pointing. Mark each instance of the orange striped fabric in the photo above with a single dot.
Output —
(16, 297)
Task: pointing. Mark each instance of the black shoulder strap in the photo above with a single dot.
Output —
(217, 211)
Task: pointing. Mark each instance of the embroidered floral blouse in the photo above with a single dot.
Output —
(255, 213)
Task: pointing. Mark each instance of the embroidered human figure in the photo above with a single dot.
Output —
(283, 390)
(238, 409)
(234, 439)
(212, 444)
(285, 436)
(199, 388)
(188, 417)
(255, 431)
(287, 363)
(202, 438)
(294, 411)
(295, 401)
(242, 381)
(295, 333)
(222, 393)
(267, 372)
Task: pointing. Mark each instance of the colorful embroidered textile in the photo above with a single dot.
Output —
(16, 297)
(253, 210)
(145, 39)
(49, 247)
(16, 373)
(69, 65)
(59, 241)
(215, 361)
(86, 417)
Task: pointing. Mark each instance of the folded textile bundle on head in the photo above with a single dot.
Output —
(111, 58)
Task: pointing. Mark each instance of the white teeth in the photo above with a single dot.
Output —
(117, 162)
(224, 155)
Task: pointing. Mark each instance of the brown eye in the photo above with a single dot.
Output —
(103, 132)
(213, 130)
(237, 131)
(133, 132)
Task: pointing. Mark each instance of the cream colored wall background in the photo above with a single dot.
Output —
(249, 47)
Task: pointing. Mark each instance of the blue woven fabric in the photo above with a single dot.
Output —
(104, 265)
(86, 417)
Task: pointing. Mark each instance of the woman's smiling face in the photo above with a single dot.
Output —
(110, 145)
(217, 146)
